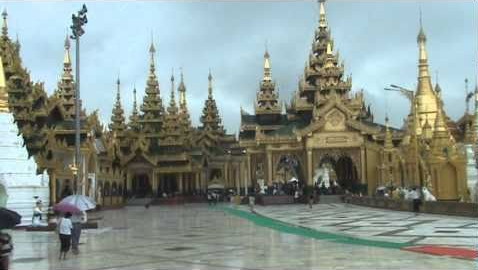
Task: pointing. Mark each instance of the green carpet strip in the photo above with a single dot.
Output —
(310, 233)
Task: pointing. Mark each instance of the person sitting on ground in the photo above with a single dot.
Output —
(37, 213)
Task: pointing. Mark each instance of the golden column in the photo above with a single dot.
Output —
(269, 168)
(180, 182)
(310, 181)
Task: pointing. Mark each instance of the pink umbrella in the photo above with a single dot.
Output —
(66, 207)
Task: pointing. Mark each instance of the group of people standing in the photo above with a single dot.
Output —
(212, 198)
(69, 231)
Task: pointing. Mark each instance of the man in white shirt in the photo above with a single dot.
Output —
(64, 230)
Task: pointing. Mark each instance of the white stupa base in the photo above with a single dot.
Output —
(471, 173)
(18, 173)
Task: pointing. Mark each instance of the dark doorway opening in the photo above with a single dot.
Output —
(141, 186)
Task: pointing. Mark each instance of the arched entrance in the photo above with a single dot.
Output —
(289, 167)
(340, 170)
(347, 173)
(325, 175)
(141, 186)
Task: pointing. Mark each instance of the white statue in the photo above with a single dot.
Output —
(262, 186)
(322, 176)
(427, 195)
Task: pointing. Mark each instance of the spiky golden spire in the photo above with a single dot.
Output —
(3, 90)
(388, 135)
(117, 124)
(427, 98)
(210, 118)
(134, 117)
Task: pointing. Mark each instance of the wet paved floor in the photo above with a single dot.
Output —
(381, 225)
(198, 237)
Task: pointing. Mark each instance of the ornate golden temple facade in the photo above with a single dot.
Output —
(157, 150)
(326, 125)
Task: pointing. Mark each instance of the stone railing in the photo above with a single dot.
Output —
(438, 207)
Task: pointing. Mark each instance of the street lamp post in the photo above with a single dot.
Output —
(410, 95)
(77, 31)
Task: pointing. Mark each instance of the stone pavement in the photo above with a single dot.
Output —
(380, 225)
(207, 238)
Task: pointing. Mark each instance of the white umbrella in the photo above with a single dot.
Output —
(293, 179)
(83, 203)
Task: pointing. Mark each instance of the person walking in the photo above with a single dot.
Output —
(311, 201)
(416, 201)
(78, 220)
(64, 230)
(209, 198)
(252, 202)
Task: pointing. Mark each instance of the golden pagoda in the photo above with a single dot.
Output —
(328, 124)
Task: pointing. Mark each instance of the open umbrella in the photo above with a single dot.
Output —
(9, 218)
(66, 207)
(82, 202)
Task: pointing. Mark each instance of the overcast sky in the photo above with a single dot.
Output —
(376, 39)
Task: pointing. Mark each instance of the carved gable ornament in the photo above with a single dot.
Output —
(335, 121)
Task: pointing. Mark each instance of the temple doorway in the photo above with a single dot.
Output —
(141, 186)
(169, 183)
(347, 175)
(325, 175)
(339, 173)
(288, 169)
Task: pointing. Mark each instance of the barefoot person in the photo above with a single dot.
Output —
(64, 230)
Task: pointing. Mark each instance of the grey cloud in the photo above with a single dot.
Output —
(376, 39)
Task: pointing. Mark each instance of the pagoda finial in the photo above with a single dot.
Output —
(267, 67)
(210, 84)
(182, 91)
(67, 58)
(467, 97)
(172, 101)
(118, 85)
(152, 52)
(5, 25)
(421, 40)
(135, 104)
(322, 18)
